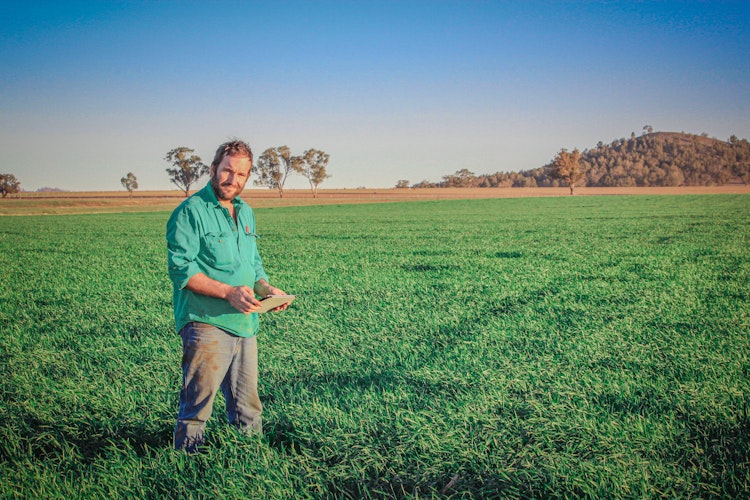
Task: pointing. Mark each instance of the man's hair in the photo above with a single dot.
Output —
(234, 147)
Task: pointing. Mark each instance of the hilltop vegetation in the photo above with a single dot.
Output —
(653, 159)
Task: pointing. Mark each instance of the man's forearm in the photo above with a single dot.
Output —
(241, 298)
(202, 284)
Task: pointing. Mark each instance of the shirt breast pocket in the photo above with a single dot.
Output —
(249, 242)
(220, 249)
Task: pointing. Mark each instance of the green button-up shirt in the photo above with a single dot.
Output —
(203, 238)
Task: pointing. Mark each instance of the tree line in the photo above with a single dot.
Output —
(652, 159)
(272, 168)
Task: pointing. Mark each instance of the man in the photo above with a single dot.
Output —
(217, 272)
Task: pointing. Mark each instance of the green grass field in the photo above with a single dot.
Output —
(542, 347)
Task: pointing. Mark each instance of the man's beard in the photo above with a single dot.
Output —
(219, 189)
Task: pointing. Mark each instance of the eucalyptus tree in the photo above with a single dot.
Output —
(9, 184)
(130, 182)
(462, 178)
(273, 167)
(567, 168)
(312, 165)
(186, 169)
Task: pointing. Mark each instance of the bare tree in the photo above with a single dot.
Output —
(567, 168)
(9, 184)
(188, 168)
(129, 182)
(273, 167)
(312, 165)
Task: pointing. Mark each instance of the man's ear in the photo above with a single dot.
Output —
(211, 170)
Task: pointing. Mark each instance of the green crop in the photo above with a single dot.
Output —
(545, 347)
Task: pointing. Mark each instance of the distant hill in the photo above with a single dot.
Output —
(653, 159)
(668, 159)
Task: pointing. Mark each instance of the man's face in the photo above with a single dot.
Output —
(229, 177)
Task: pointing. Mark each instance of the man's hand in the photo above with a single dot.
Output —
(243, 299)
(264, 289)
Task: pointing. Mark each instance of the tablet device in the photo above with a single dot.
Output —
(273, 301)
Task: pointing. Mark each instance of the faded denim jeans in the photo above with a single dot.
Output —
(213, 359)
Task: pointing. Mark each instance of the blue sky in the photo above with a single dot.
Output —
(391, 90)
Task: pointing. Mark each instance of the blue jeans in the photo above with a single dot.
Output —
(213, 359)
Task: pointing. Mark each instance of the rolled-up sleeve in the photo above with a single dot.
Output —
(183, 244)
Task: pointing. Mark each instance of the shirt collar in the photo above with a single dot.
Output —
(207, 194)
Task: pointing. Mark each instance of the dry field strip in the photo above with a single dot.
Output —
(81, 202)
